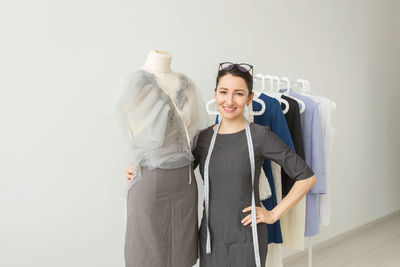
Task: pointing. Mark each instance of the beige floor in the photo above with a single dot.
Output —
(371, 245)
(375, 244)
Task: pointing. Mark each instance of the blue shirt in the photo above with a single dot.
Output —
(274, 118)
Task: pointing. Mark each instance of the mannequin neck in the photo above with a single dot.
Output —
(157, 62)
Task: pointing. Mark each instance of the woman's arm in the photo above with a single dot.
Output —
(130, 171)
(298, 191)
(275, 149)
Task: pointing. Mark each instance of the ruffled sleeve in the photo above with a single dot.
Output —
(138, 112)
(156, 131)
(195, 114)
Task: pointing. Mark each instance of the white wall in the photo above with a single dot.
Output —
(61, 181)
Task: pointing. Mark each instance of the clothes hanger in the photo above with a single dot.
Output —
(288, 84)
(276, 91)
(305, 87)
(306, 90)
(272, 93)
(258, 100)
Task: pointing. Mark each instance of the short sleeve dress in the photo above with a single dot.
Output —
(231, 191)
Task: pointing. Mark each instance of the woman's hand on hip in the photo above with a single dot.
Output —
(130, 171)
(262, 215)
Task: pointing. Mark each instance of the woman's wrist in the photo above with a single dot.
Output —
(274, 215)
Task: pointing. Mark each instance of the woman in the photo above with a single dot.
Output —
(225, 163)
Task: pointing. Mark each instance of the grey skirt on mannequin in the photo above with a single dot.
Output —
(162, 221)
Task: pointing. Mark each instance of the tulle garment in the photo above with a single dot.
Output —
(145, 118)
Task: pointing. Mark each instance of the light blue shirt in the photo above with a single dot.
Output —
(315, 158)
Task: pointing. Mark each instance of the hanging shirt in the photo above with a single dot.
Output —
(293, 222)
(315, 158)
(294, 124)
(274, 118)
(276, 173)
(326, 107)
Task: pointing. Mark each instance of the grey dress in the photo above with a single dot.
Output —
(231, 189)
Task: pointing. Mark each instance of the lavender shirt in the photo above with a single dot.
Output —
(315, 158)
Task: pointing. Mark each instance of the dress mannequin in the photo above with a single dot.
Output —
(164, 113)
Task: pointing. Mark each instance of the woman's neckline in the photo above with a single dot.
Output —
(244, 129)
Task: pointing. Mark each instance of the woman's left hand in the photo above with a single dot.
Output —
(262, 215)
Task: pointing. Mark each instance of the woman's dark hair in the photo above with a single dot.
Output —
(236, 72)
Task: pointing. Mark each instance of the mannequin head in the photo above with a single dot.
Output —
(234, 91)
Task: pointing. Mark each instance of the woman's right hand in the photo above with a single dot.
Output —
(130, 171)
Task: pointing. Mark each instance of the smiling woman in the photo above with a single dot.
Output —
(230, 156)
(231, 96)
(234, 89)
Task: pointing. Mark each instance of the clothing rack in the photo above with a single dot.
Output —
(305, 85)
(269, 77)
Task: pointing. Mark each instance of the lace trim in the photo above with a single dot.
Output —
(180, 100)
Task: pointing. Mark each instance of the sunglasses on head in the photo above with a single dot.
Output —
(243, 67)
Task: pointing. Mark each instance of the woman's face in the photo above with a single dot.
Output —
(231, 96)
